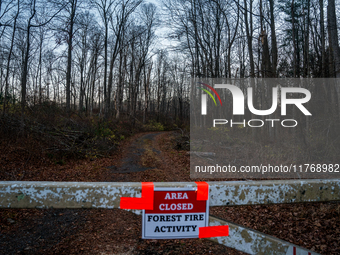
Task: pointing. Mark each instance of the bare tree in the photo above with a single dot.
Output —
(9, 57)
(249, 33)
(273, 37)
(5, 21)
(72, 8)
(104, 8)
(322, 35)
(32, 5)
(118, 23)
(333, 38)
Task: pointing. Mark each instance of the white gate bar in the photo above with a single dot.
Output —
(274, 192)
(107, 194)
(254, 242)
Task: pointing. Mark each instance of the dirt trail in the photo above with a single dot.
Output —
(131, 162)
(151, 157)
(88, 231)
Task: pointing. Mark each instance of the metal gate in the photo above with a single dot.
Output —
(108, 194)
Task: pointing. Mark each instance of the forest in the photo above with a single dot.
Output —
(101, 91)
(134, 58)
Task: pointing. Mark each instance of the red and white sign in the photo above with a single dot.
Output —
(176, 214)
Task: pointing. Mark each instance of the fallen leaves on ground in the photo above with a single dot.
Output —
(313, 225)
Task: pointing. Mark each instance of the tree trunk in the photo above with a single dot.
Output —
(294, 41)
(322, 34)
(249, 33)
(333, 38)
(9, 58)
(306, 43)
(25, 64)
(273, 38)
(69, 56)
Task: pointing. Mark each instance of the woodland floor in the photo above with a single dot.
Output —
(143, 157)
